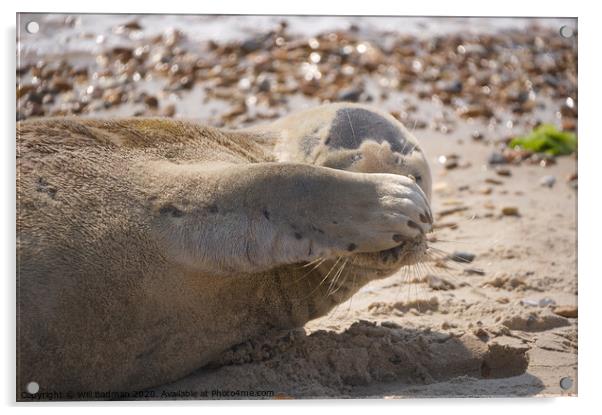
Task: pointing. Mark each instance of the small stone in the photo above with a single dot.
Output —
(474, 271)
(451, 164)
(438, 283)
(475, 111)
(569, 124)
(510, 211)
(566, 311)
(112, 96)
(529, 302)
(133, 25)
(493, 181)
(497, 158)
(151, 102)
(350, 94)
(503, 172)
(546, 301)
(464, 257)
(265, 85)
(477, 136)
(547, 181)
(250, 45)
(481, 334)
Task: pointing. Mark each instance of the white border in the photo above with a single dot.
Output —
(590, 70)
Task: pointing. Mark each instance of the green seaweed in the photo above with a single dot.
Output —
(546, 138)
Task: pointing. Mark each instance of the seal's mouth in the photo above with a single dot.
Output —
(408, 252)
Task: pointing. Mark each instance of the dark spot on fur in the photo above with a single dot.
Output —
(414, 225)
(212, 208)
(351, 126)
(294, 226)
(315, 229)
(298, 235)
(397, 237)
(335, 222)
(351, 247)
(171, 210)
(424, 218)
(266, 214)
(418, 177)
(44, 187)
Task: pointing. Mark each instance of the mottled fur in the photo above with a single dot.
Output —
(146, 247)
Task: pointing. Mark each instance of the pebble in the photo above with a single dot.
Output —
(493, 181)
(569, 124)
(451, 211)
(474, 271)
(547, 181)
(477, 136)
(546, 301)
(151, 102)
(464, 257)
(503, 172)
(350, 94)
(451, 164)
(510, 211)
(497, 158)
(566, 311)
(543, 302)
(438, 283)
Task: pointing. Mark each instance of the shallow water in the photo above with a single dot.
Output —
(72, 33)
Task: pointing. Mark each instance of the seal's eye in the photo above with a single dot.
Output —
(418, 177)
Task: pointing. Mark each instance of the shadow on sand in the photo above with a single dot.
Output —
(366, 360)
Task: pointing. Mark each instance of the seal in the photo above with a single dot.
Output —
(147, 247)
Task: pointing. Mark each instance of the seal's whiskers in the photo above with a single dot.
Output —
(323, 279)
(308, 272)
(343, 280)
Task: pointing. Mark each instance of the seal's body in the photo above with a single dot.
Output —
(146, 247)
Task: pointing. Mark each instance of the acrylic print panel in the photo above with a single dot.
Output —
(264, 207)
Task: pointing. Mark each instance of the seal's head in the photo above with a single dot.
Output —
(360, 139)
(365, 141)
